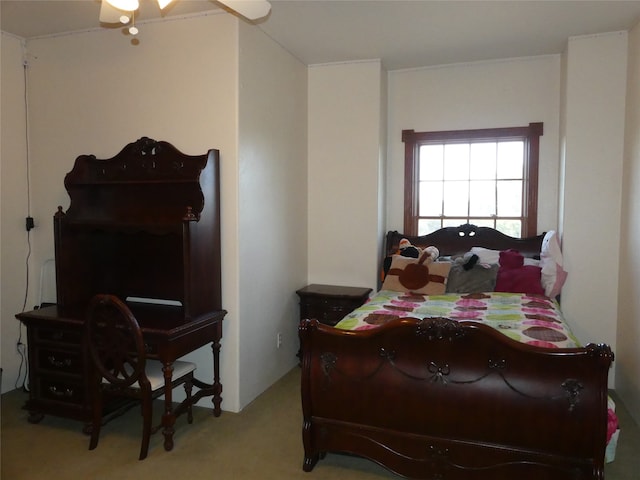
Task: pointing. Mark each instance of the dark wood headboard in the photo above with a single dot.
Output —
(459, 240)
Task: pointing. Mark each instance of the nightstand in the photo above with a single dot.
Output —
(329, 303)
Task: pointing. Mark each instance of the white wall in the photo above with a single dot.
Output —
(209, 81)
(504, 93)
(93, 92)
(628, 334)
(344, 173)
(593, 158)
(382, 168)
(272, 234)
(14, 248)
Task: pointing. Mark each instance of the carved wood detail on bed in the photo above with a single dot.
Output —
(435, 398)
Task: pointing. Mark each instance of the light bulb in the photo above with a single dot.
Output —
(133, 30)
(124, 19)
(127, 5)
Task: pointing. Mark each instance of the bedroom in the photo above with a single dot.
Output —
(271, 116)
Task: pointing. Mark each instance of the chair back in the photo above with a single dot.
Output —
(114, 342)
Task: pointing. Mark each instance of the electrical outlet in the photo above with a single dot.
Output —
(278, 340)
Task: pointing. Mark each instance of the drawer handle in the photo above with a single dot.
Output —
(58, 335)
(59, 363)
(67, 392)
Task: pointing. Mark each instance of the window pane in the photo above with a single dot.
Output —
(483, 161)
(456, 199)
(454, 222)
(426, 226)
(510, 198)
(482, 198)
(431, 162)
(482, 222)
(456, 161)
(510, 159)
(430, 199)
(513, 228)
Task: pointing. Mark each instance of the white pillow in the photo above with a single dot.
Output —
(486, 255)
(531, 261)
(492, 257)
(553, 275)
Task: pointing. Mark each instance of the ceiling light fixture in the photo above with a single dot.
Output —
(133, 30)
(122, 11)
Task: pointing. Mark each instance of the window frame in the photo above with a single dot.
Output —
(529, 134)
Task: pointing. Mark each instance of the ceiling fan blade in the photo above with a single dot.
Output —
(109, 13)
(250, 9)
(163, 3)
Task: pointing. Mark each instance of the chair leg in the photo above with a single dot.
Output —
(147, 414)
(96, 420)
(188, 387)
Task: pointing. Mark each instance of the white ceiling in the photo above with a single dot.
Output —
(403, 34)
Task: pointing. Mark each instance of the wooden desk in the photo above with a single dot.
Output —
(58, 362)
(144, 223)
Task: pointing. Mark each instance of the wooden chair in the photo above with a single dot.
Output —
(119, 367)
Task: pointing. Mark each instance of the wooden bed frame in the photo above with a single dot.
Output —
(438, 399)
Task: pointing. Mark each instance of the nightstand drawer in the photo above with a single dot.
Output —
(60, 390)
(324, 315)
(55, 360)
(59, 336)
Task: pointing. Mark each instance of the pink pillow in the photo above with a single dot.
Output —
(515, 277)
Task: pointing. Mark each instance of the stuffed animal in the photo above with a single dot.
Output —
(406, 249)
(468, 260)
(433, 252)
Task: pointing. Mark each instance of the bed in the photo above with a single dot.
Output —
(427, 387)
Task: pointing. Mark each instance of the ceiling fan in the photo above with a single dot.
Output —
(123, 11)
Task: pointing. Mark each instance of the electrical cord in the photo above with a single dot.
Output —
(20, 346)
(23, 369)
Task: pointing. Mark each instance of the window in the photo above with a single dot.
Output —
(487, 177)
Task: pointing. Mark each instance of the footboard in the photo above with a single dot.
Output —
(450, 400)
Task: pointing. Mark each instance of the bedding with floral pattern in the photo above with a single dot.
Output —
(531, 319)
